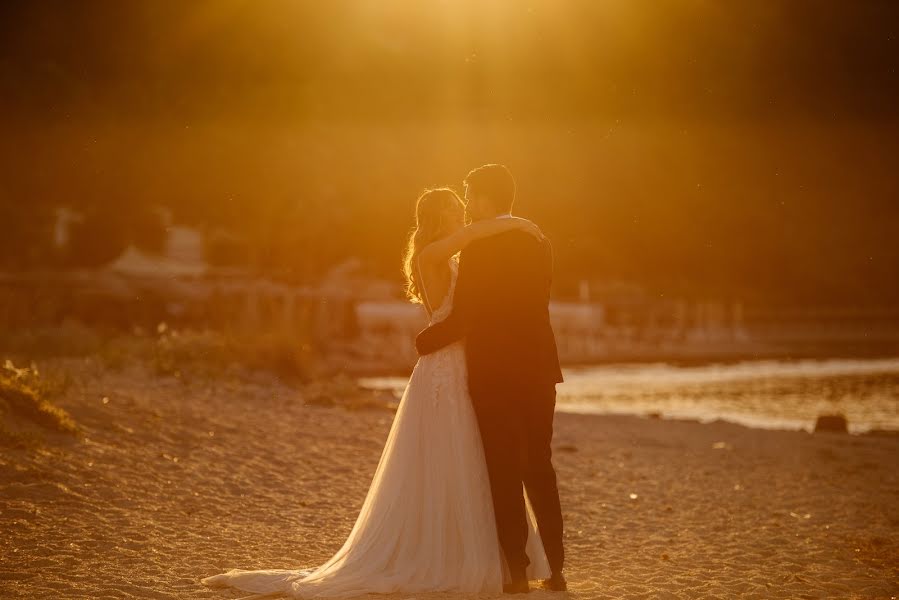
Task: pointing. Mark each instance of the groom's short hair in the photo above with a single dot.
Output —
(495, 182)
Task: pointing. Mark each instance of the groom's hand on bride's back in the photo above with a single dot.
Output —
(436, 336)
(421, 343)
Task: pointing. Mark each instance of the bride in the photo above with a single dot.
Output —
(427, 523)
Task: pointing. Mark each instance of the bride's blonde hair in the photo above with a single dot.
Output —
(430, 209)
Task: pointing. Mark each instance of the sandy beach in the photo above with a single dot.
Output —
(177, 479)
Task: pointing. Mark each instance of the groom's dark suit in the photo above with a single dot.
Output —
(501, 309)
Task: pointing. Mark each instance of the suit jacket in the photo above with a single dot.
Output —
(501, 309)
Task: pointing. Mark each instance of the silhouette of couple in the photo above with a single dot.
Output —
(464, 497)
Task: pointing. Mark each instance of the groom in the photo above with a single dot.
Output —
(501, 309)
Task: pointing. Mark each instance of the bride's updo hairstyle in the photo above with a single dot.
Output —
(432, 212)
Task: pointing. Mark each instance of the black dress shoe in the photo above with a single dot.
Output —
(556, 583)
(517, 587)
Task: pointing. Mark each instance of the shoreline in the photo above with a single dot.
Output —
(367, 370)
(749, 422)
(766, 394)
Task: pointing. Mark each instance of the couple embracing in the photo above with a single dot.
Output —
(464, 498)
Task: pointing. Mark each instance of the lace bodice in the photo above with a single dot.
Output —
(446, 306)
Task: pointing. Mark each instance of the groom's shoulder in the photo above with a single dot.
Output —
(521, 241)
(497, 244)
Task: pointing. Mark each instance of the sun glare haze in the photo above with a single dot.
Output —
(396, 282)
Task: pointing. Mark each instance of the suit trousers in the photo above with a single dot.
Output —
(516, 425)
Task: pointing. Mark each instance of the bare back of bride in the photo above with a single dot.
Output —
(427, 523)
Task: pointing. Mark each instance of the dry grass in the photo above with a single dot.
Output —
(183, 353)
(24, 400)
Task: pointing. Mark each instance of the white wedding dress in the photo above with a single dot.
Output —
(427, 522)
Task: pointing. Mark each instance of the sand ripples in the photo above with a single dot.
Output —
(177, 481)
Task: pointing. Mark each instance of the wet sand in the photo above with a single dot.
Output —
(177, 480)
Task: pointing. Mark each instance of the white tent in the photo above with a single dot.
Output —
(134, 262)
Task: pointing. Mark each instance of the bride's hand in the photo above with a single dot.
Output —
(529, 227)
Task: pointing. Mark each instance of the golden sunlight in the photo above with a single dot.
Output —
(449, 298)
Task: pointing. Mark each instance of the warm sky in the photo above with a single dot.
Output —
(500, 58)
(744, 147)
